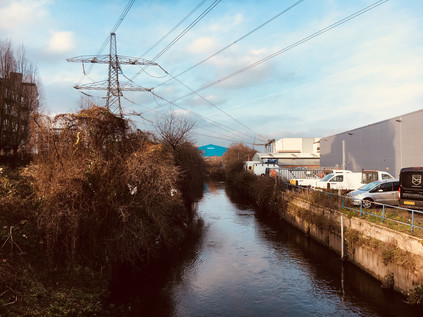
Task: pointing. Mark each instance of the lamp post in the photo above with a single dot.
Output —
(400, 137)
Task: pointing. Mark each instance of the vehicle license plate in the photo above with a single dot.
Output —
(409, 203)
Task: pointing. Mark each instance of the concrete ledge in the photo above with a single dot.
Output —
(306, 216)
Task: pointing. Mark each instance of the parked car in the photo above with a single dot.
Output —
(383, 191)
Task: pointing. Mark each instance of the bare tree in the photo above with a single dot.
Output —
(173, 130)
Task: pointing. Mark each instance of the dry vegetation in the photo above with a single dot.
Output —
(108, 193)
(262, 192)
(98, 194)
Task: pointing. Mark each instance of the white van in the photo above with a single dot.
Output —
(343, 179)
(340, 179)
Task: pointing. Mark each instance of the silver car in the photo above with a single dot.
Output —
(383, 191)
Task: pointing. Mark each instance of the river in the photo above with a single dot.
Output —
(241, 265)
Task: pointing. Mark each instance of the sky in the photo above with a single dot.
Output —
(269, 70)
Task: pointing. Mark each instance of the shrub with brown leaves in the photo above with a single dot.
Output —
(109, 193)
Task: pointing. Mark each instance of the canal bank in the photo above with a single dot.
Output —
(394, 258)
(245, 264)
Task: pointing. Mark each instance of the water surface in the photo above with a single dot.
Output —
(241, 265)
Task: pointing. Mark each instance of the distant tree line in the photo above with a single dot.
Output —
(19, 97)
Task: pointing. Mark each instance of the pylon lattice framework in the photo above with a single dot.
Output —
(112, 85)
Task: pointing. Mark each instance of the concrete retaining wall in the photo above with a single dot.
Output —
(308, 218)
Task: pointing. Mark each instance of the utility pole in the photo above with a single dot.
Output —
(112, 85)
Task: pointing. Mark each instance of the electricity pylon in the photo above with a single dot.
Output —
(112, 85)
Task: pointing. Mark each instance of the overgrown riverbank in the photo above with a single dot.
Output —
(383, 258)
(98, 195)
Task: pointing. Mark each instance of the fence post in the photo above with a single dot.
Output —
(383, 213)
(412, 221)
(361, 208)
(342, 238)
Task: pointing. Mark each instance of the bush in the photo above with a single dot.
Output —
(108, 192)
(234, 159)
(192, 172)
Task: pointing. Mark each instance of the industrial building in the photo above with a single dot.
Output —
(297, 145)
(212, 150)
(293, 152)
(387, 145)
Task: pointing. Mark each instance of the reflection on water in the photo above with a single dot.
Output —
(241, 265)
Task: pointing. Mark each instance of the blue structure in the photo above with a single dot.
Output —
(212, 150)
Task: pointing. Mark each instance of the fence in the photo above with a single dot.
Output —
(388, 213)
(301, 173)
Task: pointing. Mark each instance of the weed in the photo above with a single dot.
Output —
(388, 254)
(388, 281)
(415, 296)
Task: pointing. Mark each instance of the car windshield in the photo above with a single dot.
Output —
(369, 186)
(327, 177)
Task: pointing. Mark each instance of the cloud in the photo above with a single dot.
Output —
(19, 15)
(226, 23)
(202, 45)
(61, 42)
(236, 61)
(214, 99)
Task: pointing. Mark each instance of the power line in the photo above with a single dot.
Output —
(226, 139)
(174, 28)
(234, 42)
(222, 136)
(212, 104)
(217, 124)
(306, 39)
(189, 27)
(115, 27)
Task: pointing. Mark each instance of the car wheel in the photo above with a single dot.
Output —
(367, 203)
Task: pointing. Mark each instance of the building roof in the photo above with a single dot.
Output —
(212, 150)
(287, 155)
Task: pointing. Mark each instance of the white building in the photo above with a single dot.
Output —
(388, 145)
(293, 152)
(297, 145)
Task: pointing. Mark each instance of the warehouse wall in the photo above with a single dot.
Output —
(387, 145)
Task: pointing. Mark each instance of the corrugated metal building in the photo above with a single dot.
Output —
(387, 145)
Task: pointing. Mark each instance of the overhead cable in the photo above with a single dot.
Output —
(189, 27)
(308, 38)
(174, 28)
(234, 42)
(220, 125)
(226, 139)
(212, 104)
(115, 27)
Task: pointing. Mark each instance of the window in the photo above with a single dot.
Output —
(338, 178)
(386, 187)
(386, 176)
(395, 186)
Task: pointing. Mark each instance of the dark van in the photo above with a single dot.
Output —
(411, 187)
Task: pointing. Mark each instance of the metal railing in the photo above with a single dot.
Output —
(341, 201)
(302, 173)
